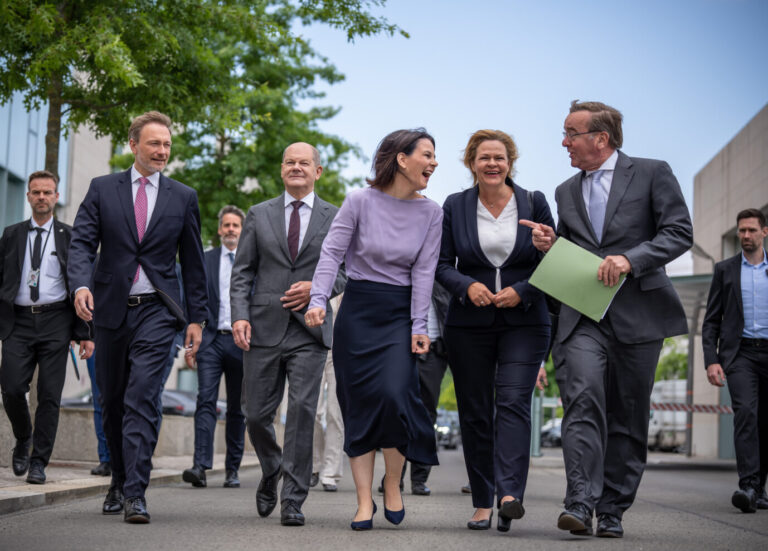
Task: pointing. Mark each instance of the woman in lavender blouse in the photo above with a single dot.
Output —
(388, 235)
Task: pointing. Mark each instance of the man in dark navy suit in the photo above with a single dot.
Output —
(142, 220)
(219, 355)
(37, 322)
(735, 339)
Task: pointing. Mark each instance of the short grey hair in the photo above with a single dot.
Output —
(231, 209)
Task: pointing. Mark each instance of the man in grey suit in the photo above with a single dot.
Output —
(631, 212)
(271, 279)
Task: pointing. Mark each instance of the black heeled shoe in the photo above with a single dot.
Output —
(480, 524)
(509, 511)
(395, 517)
(360, 525)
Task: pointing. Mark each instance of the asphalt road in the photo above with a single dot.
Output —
(676, 509)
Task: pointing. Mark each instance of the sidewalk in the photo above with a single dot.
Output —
(71, 480)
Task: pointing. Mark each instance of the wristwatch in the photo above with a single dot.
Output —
(202, 324)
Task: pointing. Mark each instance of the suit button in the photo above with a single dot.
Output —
(293, 269)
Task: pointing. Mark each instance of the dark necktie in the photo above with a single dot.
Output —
(294, 229)
(37, 254)
(231, 257)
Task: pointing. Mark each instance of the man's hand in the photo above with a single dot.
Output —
(86, 349)
(541, 379)
(715, 375)
(192, 343)
(542, 236)
(241, 331)
(297, 297)
(84, 304)
(479, 294)
(506, 298)
(419, 344)
(314, 317)
(611, 268)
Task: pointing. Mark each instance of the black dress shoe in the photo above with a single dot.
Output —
(291, 514)
(266, 494)
(330, 487)
(103, 469)
(509, 511)
(20, 458)
(466, 489)
(136, 511)
(36, 473)
(195, 476)
(480, 524)
(762, 500)
(314, 479)
(231, 480)
(577, 519)
(420, 489)
(113, 503)
(746, 500)
(609, 526)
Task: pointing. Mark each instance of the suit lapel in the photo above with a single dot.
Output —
(59, 238)
(622, 175)
(523, 234)
(316, 222)
(277, 221)
(578, 199)
(126, 200)
(470, 221)
(735, 272)
(163, 194)
(22, 238)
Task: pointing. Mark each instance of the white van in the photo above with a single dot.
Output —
(666, 429)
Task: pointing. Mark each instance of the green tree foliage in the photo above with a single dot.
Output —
(447, 398)
(227, 70)
(673, 364)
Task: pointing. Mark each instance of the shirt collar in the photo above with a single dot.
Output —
(225, 251)
(609, 164)
(153, 178)
(745, 262)
(46, 226)
(309, 200)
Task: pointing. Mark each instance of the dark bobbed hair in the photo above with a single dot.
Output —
(751, 213)
(385, 165)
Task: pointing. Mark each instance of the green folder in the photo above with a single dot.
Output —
(569, 273)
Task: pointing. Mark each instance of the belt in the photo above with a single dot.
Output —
(40, 308)
(135, 300)
(757, 343)
(224, 332)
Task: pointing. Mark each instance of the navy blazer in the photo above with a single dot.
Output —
(462, 262)
(106, 217)
(723, 323)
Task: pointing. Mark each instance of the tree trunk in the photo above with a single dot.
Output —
(53, 133)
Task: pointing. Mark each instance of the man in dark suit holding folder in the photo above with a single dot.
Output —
(630, 212)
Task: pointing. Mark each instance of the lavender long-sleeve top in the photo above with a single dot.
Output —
(383, 239)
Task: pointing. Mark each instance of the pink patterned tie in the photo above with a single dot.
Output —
(140, 212)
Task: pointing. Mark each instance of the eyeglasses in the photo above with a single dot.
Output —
(571, 136)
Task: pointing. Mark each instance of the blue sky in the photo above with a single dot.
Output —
(686, 74)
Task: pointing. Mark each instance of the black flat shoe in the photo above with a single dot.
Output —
(291, 514)
(195, 476)
(746, 500)
(266, 494)
(577, 519)
(36, 474)
(102, 469)
(480, 524)
(609, 526)
(113, 503)
(232, 479)
(420, 489)
(20, 458)
(136, 511)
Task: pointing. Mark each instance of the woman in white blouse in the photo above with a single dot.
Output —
(498, 327)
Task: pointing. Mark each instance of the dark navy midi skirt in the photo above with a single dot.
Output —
(377, 381)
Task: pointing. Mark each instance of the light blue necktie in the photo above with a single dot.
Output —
(231, 257)
(597, 200)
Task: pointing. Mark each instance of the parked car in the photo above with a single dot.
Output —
(666, 429)
(447, 429)
(175, 402)
(551, 436)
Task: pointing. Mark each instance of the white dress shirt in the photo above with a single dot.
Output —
(225, 274)
(305, 213)
(143, 284)
(51, 280)
(606, 178)
(497, 235)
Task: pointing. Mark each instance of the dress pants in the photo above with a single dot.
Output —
(299, 358)
(606, 390)
(98, 422)
(328, 444)
(219, 357)
(130, 362)
(431, 372)
(494, 372)
(36, 340)
(747, 380)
